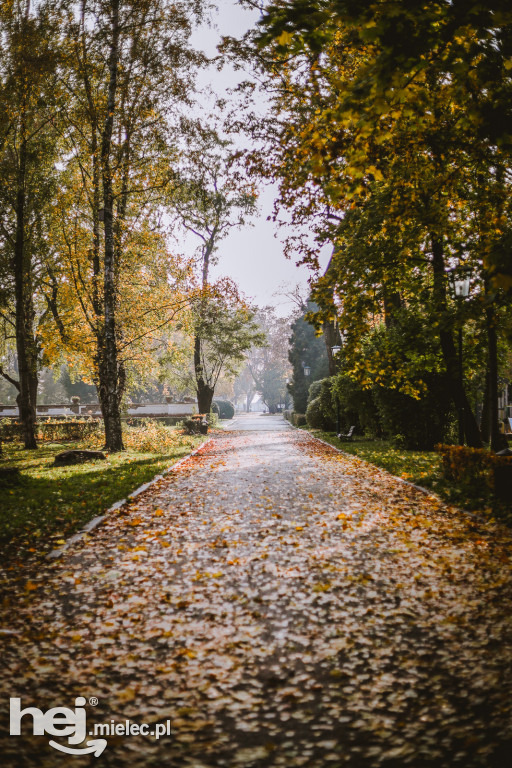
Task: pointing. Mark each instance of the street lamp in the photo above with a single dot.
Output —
(461, 284)
(460, 281)
(335, 350)
(306, 369)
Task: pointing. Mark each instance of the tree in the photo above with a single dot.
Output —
(210, 198)
(387, 157)
(28, 153)
(129, 69)
(306, 349)
(244, 385)
(226, 328)
(268, 364)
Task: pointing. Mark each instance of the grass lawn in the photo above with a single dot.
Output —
(421, 468)
(51, 502)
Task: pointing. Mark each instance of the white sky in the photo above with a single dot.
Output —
(251, 256)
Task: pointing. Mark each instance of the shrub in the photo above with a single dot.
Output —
(223, 408)
(152, 437)
(196, 426)
(51, 431)
(321, 413)
(357, 407)
(415, 424)
(472, 468)
(315, 389)
(314, 415)
(297, 419)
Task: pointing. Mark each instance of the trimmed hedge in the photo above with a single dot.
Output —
(472, 468)
(321, 410)
(223, 408)
(297, 419)
(52, 431)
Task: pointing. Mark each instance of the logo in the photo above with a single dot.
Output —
(59, 721)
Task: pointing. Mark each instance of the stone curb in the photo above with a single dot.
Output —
(96, 521)
(420, 488)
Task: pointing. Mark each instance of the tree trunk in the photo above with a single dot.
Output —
(457, 392)
(485, 423)
(25, 343)
(203, 391)
(392, 303)
(109, 367)
(204, 398)
(498, 440)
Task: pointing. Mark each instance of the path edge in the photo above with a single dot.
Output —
(96, 521)
(420, 488)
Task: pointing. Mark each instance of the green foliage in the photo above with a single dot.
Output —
(227, 329)
(321, 410)
(297, 419)
(414, 423)
(401, 366)
(357, 406)
(315, 416)
(271, 385)
(267, 366)
(471, 468)
(378, 134)
(52, 502)
(305, 347)
(223, 408)
(314, 389)
(76, 387)
(52, 430)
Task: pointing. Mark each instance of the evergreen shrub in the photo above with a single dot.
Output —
(223, 408)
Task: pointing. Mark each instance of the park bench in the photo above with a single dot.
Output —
(348, 436)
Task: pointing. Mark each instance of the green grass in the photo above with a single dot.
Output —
(50, 503)
(421, 468)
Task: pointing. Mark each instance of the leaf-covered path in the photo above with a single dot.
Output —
(282, 605)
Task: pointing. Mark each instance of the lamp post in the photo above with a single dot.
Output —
(306, 369)
(335, 351)
(460, 283)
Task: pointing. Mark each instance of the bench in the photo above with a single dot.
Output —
(348, 436)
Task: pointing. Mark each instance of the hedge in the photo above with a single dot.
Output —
(223, 408)
(473, 468)
(51, 431)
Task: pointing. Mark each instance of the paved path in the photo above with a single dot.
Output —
(282, 605)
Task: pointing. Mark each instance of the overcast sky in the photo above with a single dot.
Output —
(252, 256)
